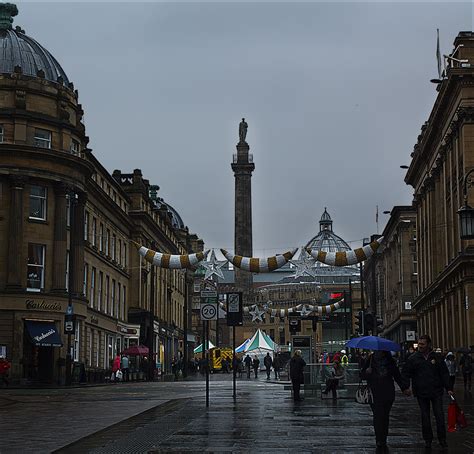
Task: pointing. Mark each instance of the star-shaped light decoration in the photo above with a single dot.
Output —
(267, 305)
(305, 310)
(304, 265)
(257, 314)
(213, 266)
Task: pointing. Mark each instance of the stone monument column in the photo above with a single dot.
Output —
(15, 244)
(243, 167)
(77, 253)
(60, 238)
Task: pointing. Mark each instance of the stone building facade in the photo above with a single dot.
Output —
(390, 277)
(442, 156)
(65, 230)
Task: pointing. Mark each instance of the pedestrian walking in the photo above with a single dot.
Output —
(466, 367)
(336, 376)
(115, 366)
(429, 377)
(297, 365)
(248, 364)
(125, 365)
(276, 366)
(267, 362)
(380, 371)
(4, 368)
(452, 366)
(344, 358)
(256, 365)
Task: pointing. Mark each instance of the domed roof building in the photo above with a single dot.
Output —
(20, 52)
(67, 225)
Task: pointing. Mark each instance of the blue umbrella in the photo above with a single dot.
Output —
(373, 343)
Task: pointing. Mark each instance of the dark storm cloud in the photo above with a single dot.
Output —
(334, 94)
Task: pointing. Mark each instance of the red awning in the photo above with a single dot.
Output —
(136, 350)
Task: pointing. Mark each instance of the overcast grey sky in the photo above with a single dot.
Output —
(334, 95)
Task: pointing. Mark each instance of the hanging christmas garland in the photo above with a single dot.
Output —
(346, 258)
(257, 265)
(174, 262)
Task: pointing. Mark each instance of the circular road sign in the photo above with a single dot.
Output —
(208, 311)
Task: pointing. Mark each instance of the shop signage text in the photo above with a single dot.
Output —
(43, 305)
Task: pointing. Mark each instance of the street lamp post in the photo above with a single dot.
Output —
(466, 213)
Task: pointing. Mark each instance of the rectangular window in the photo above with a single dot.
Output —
(89, 345)
(107, 289)
(86, 275)
(124, 295)
(42, 138)
(124, 254)
(114, 244)
(119, 253)
(35, 273)
(1, 133)
(96, 338)
(119, 300)
(113, 309)
(99, 291)
(77, 341)
(94, 232)
(107, 243)
(101, 237)
(86, 226)
(75, 147)
(38, 197)
(92, 289)
(110, 351)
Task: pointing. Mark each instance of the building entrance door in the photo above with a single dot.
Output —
(45, 364)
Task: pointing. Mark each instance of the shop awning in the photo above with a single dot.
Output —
(43, 334)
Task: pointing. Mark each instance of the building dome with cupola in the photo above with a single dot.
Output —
(21, 53)
(326, 240)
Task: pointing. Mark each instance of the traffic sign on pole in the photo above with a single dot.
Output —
(209, 311)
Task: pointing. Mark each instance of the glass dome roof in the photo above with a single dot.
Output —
(326, 240)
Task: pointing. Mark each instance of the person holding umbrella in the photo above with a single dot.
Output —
(380, 371)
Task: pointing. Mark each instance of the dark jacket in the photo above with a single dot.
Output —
(247, 362)
(276, 363)
(297, 365)
(381, 378)
(429, 376)
(255, 363)
(466, 363)
(267, 361)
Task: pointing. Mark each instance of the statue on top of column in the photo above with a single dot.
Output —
(243, 126)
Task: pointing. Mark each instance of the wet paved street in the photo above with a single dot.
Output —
(171, 417)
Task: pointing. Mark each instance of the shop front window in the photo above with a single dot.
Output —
(77, 341)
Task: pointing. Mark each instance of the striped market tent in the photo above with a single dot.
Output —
(260, 342)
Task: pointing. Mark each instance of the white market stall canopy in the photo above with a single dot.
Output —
(260, 341)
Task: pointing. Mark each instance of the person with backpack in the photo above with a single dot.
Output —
(380, 371)
(297, 365)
